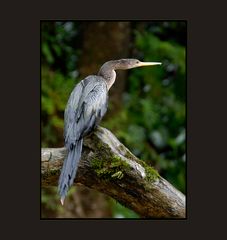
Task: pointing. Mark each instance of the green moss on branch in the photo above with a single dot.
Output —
(110, 167)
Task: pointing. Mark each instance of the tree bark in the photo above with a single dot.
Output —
(109, 167)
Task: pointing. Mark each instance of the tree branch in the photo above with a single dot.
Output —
(109, 167)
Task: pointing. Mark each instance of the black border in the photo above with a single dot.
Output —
(205, 126)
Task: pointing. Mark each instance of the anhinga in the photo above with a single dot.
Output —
(86, 106)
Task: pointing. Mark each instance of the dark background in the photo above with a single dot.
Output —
(147, 106)
(20, 47)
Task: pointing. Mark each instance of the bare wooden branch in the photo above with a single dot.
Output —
(109, 167)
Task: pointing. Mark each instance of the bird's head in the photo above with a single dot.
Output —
(133, 63)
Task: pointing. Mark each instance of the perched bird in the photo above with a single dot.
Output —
(86, 106)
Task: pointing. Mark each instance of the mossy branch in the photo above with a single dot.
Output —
(109, 167)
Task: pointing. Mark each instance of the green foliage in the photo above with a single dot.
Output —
(58, 46)
(55, 92)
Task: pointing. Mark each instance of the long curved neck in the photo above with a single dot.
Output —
(107, 71)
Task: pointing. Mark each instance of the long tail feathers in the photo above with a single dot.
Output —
(69, 169)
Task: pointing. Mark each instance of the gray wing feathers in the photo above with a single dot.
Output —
(72, 105)
(86, 106)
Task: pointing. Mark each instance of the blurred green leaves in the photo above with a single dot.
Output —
(55, 92)
(58, 48)
(173, 57)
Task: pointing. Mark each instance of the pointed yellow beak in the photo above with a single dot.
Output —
(141, 64)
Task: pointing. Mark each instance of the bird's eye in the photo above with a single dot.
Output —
(137, 61)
